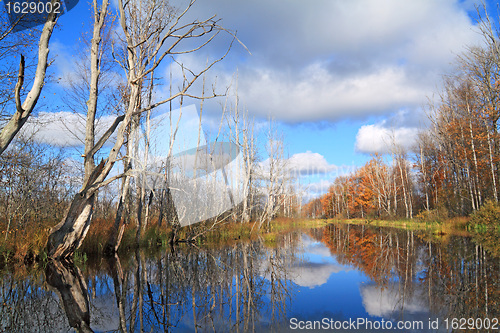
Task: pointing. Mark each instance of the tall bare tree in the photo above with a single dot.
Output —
(152, 32)
(23, 109)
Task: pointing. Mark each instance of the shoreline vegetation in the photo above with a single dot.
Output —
(27, 248)
(22, 247)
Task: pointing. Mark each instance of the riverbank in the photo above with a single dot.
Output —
(456, 226)
(28, 246)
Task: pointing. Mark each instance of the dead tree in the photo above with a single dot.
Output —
(24, 108)
(165, 41)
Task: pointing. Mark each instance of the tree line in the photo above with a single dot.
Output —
(452, 169)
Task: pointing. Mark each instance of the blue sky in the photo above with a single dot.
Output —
(339, 77)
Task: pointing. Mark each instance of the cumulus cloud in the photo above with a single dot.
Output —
(326, 59)
(330, 59)
(309, 163)
(312, 274)
(313, 170)
(67, 129)
(376, 138)
(314, 247)
(384, 302)
(333, 59)
(309, 273)
(389, 302)
(63, 129)
(316, 94)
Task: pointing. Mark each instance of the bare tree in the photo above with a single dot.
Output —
(275, 176)
(145, 50)
(24, 108)
(241, 132)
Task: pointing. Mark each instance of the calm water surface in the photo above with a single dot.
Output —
(323, 278)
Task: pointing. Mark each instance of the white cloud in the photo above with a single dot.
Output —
(307, 273)
(378, 139)
(63, 129)
(309, 163)
(312, 169)
(333, 59)
(388, 302)
(313, 274)
(315, 174)
(315, 247)
(317, 94)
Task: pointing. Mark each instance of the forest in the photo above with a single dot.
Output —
(453, 168)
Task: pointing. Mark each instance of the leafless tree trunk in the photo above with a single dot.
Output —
(275, 176)
(24, 109)
(68, 235)
(492, 164)
(144, 50)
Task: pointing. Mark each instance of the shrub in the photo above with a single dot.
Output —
(487, 216)
(434, 215)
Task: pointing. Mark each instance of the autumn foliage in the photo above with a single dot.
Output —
(453, 168)
(375, 190)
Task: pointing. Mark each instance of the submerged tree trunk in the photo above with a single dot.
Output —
(119, 282)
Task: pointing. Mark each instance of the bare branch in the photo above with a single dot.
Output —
(24, 110)
(19, 85)
(106, 135)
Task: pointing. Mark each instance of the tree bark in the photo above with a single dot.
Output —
(115, 237)
(68, 235)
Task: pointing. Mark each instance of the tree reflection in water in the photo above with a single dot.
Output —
(66, 280)
(454, 276)
(251, 287)
(235, 288)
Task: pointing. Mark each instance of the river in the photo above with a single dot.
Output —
(337, 278)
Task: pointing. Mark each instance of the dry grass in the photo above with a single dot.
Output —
(21, 244)
(97, 236)
(452, 226)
